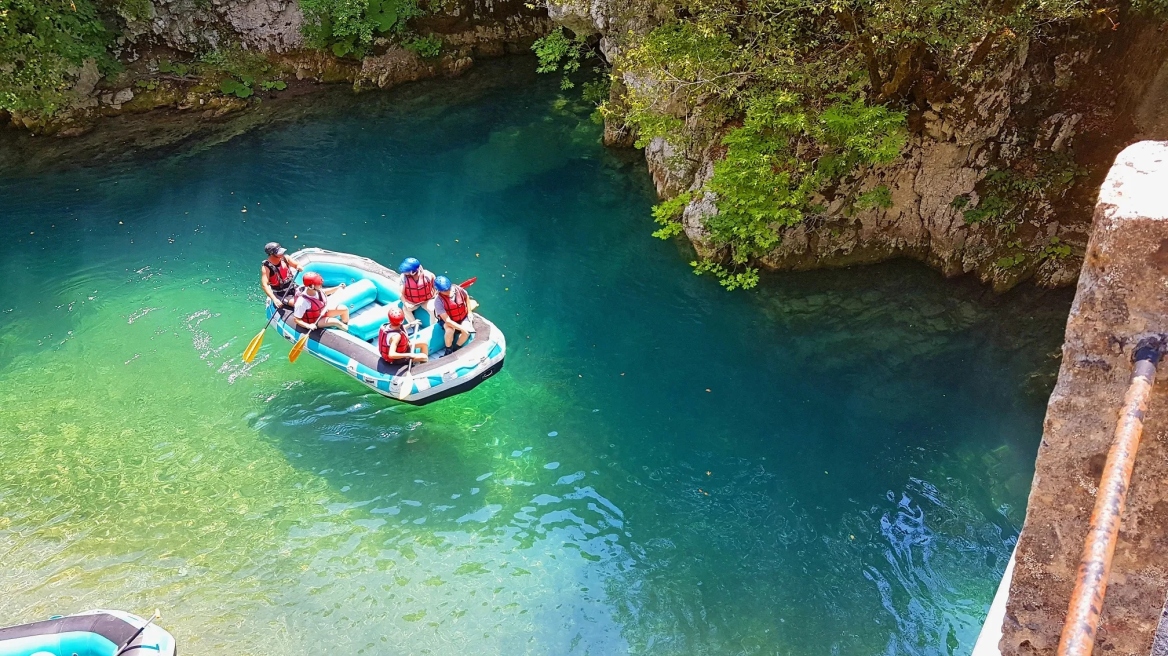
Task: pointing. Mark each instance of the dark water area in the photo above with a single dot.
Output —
(837, 463)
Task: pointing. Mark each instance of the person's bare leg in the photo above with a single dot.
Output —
(337, 318)
(449, 334)
(409, 312)
(463, 335)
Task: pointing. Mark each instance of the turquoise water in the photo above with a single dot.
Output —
(836, 464)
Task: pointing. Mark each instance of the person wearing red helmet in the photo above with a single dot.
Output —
(277, 272)
(312, 309)
(394, 343)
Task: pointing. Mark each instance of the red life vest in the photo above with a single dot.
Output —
(315, 306)
(456, 304)
(418, 289)
(278, 276)
(403, 343)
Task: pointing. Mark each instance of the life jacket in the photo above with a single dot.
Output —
(456, 304)
(278, 276)
(403, 344)
(418, 289)
(315, 306)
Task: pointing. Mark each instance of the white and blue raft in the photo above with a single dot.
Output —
(370, 290)
(93, 633)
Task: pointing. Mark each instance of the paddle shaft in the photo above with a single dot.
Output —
(126, 644)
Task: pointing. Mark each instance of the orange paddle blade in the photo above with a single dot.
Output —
(295, 352)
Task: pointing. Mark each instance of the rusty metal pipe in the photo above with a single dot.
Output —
(1078, 637)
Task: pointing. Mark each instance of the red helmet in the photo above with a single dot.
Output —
(396, 316)
(313, 279)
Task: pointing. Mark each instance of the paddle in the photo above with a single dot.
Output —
(297, 348)
(468, 282)
(407, 384)
(253, 347)
(126, 645)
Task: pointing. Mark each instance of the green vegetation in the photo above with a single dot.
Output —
(1007, 193)
(41, 43)
(239, 71)
(800, 100)
(427, 47)
(347, 27)
(558, 52)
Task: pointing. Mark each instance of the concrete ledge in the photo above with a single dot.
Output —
(1122, 295)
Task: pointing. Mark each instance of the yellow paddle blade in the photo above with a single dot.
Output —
(253, 347)
(295, 352)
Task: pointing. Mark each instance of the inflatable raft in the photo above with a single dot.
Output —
(370, 289)
(94, 633)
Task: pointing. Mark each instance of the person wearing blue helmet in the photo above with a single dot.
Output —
(452, 307)
(417, 288)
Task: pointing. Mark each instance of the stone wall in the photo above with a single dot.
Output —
(1122, 296)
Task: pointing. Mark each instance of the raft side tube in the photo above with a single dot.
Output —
(93, 633)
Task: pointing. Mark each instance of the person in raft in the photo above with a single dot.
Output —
(393, 342)
(452, 307)
(277, 273)
(312, 309)
(417, 288)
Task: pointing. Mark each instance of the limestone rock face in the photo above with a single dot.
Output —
(194, 26)
(1121, 297)
(1082, 100)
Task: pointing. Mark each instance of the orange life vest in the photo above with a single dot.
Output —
(418, 289)
(403, 343)
(278, 276)
(315, 307)
(456, 304)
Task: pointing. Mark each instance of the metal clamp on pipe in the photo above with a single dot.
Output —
(1078, 637)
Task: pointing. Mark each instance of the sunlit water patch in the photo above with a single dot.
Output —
(835, 464)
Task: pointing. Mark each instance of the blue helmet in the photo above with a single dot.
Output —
(442, 284)
(409, 265)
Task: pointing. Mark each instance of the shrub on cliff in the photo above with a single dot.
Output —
(42, 45)
(797, 99)
(347, 27)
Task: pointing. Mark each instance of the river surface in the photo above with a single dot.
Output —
(837, 463)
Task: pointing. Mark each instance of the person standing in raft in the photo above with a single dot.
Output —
(393, 342)
(452, 307)
(277, 273)
(417, 288)
(312, 309)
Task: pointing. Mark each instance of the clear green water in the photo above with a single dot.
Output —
(837, 464)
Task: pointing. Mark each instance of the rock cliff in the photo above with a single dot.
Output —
(1034, 140)
(160, 49)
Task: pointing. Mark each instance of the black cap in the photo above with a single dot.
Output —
(274, 248)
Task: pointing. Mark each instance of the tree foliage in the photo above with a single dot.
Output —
(556, 51)
(42, 43)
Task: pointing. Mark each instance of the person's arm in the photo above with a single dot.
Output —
(267, 287)
(330, 290)
(395, 356)
(293, 264)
